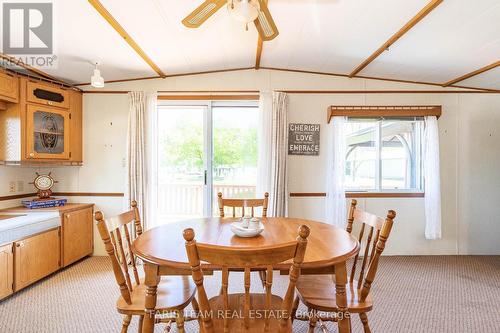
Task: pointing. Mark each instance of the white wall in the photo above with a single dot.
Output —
(470, 150)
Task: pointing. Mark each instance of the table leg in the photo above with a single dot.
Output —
(151, 281)
(341, 298)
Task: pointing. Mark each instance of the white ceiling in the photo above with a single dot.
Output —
(335, 36)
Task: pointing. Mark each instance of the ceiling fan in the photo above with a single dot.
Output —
(245, 11)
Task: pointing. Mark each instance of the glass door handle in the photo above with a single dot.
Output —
(206, 175)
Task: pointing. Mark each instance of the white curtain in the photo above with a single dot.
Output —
(432, 179)
(335, 168)
(140, 180)
(273, 142)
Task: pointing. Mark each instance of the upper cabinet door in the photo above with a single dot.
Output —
(47, 95)
(9, 87)
(47, 133)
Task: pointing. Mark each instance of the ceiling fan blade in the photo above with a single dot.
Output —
(265, 24)
(202, 13)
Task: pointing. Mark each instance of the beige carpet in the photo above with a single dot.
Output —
(412, 294)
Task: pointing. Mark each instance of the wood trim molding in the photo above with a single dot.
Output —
(209, 97)
(443, 91)
(410, 24)
(377, 79)
(123, 80)
(37, 71)
(390, 91)
(17, 196)
(383, 111)
(89, 194)
(361, 195)
(64, 194)
(121, 31)
(473, 73)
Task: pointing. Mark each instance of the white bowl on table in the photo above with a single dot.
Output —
(255, 228)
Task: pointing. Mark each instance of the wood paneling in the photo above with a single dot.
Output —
(36, 257)
(77, 235)
(6, 270)
(471, 74)
(417, 18)
(384, 111)
(121, 31)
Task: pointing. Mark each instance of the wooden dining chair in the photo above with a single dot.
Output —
(262, 312)
(243, 205)
(174, 293)
(318, 292)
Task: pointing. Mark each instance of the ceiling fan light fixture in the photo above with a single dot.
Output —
(245, 11)
(96, 80)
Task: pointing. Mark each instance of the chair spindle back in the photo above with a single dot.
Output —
(242, 205)
(234, 258)
(115, 233)
(373, 234)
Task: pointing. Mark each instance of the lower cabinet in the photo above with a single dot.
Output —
(77, 235)
(6, 270)
(36, 257)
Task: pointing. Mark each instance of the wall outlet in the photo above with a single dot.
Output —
(20, 185)
(12, 187)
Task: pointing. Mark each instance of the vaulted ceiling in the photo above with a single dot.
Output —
(456, 37)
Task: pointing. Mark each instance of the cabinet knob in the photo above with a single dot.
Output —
(49, 103)
(19, 244)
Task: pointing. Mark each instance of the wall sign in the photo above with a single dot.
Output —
(303, 139)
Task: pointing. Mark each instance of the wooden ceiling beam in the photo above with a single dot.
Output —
(121, 31)
(417, 18)
(471, 74)
(258, 55)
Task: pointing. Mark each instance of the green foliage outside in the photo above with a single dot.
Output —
(233, 147)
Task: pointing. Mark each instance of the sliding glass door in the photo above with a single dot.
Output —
(203, 149)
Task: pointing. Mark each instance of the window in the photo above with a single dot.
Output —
(205, 148)
(384, 154)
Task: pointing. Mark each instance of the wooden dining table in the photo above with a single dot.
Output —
(163, 251)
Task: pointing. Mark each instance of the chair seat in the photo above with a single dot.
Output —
(318, 292)
(174, 292)
(258, 314)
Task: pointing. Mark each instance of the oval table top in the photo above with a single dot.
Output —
(164, 245)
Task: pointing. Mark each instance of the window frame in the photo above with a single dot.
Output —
(208, 154)
(379, 191)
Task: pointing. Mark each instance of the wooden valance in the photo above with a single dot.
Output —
(383, 111)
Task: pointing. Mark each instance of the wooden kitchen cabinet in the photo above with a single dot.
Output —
(49, 95)
(77, 235)
(9, 87)
(6, 270)
(48, 134)
(36, 257)
(44, 126)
